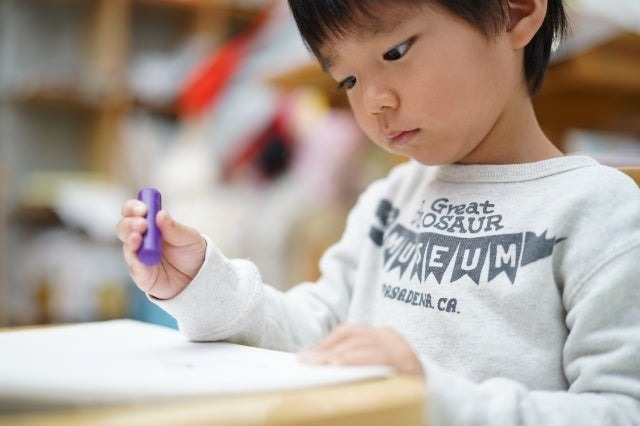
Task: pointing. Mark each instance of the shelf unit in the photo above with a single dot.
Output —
(4, 276)
(64, 92)
(597, 90)
(107, 38)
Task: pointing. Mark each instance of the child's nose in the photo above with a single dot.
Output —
(378, 98)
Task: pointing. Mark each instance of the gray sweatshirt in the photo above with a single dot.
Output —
(516, 285)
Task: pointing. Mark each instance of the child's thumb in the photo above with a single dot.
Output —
(174, 232)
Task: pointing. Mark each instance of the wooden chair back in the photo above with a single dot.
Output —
(633, 172)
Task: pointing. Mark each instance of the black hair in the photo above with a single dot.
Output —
(323, 21)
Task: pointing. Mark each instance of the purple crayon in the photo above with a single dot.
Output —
(150, 252)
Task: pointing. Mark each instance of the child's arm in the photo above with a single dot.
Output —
(227, 299)
(216, 298)
(183, 251)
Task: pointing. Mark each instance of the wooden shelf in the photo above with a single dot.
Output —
(4, 249)
(35, 216)
(70, 96)
(611, 67)
(75, 99)
(242, 13)
(596, 90)
(38, 196)
(66, 97)
(168, 110)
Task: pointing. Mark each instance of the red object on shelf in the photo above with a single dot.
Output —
(205, 84)
(275, 140)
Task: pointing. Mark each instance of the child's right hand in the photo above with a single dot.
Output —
(183, 250)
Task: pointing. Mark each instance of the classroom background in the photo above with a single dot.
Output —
(218, 104)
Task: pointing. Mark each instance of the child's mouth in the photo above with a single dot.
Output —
(402, 138)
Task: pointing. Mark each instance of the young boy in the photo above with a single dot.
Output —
(506, 274)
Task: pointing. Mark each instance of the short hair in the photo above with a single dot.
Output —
(322, 21)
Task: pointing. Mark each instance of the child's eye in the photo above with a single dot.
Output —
(398, 51)
(347, 83)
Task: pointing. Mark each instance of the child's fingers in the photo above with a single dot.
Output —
(129, 225)
(326, 355)
(357, 356)
(133, 212)
(134, 208)
(338, 335)
(354, 351)
(140, 273)
(130, 248)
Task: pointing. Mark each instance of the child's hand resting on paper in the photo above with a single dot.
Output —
(183, 250)
(351, 344)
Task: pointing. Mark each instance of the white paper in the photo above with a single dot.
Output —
(128, 361)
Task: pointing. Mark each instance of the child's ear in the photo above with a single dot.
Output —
(526, 17)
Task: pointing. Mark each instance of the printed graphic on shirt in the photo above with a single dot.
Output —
(419, 298)
(423, 254)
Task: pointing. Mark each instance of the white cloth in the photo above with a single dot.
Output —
(517, 285)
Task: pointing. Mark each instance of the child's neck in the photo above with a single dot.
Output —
(515, 138)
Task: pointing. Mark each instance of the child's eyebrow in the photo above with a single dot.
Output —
(385, 25)
(328, 60)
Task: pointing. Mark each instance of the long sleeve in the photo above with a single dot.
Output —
(227, 299)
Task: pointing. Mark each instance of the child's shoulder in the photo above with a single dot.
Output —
(604, 181)
(603, 200)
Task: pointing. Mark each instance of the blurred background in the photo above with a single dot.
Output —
(218, 104)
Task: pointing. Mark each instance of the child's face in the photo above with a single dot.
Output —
(432, 87)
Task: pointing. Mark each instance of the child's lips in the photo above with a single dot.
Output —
(402, 137)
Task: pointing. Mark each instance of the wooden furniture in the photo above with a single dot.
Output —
(397, 401)
(99, 41)
(66, 91)
(633, 172)
(596, 90)
(4, 263)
